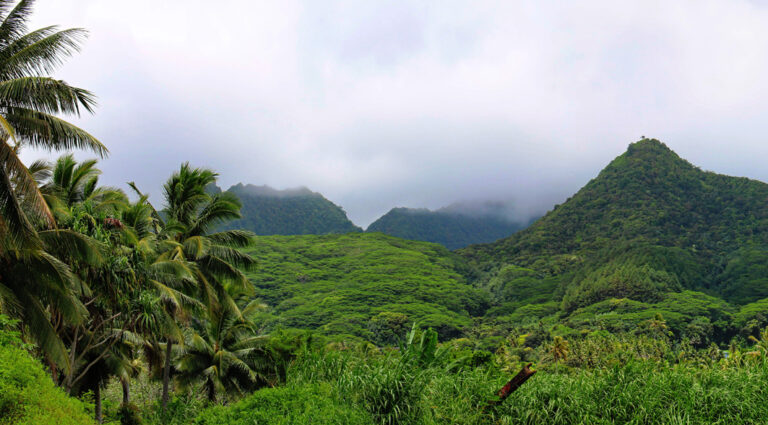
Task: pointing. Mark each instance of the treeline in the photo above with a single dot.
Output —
(451, 229)
(266, 211)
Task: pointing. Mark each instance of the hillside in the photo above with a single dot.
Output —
(370, 286)
(454, 227)
(650, 224)
(267, 211)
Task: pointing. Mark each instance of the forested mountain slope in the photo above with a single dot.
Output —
(649, 224)
(651, 236)
(370, 286)
(449, 227)
(267, 211)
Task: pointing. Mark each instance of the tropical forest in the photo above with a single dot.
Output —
(640, 299)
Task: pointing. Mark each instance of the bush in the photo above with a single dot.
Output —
(297, 404)
(27, 393)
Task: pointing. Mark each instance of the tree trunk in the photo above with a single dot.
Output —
(126, 382)
(97, 401)
(513, 385)
(211, 392)
(166, 373)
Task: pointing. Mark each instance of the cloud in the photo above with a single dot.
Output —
(420, 104)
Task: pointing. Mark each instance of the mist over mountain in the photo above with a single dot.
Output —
(298, 211)
(649, 225)
(454, 226)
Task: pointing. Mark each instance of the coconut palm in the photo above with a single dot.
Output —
(30, 100)
(192, 213)
(559, 349)
(32, 272)
(226, 353)
(184, 239)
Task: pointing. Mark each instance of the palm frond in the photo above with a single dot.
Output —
(40, 53)
(36, 319)
(234, 238)
(233, 256)
(221, 208)
(15, 23)
(46, 95)
(16, 182)
(42, 130)
(73, 246)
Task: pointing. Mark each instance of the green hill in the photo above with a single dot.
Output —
(452, 227)
(267, 211)
(370, 286)
(648, 225)
(651, 234)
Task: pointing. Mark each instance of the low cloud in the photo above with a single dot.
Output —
(418, 104)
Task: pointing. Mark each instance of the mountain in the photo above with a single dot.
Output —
(267, 211)
(454, 226)
(649, 225)
(369, 286)
(651, 239)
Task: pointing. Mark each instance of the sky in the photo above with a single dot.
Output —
(381, 104)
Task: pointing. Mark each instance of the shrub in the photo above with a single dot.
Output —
(296, 404)
(27, 393)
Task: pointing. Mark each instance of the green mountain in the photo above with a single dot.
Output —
(267, 211)
(455, 226)
(370, 286)
(651, 236)
(649, 225)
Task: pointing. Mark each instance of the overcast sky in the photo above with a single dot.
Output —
(418, 104)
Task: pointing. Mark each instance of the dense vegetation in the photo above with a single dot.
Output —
(267, 211)
(649, 226)
(641, 300)
(600, 379)
(448, 227)
(369, 286)
(27, 394)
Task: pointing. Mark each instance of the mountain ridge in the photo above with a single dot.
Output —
(297, 211)
(649, 223)
(454, 226)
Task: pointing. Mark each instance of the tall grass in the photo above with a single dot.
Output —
(632, 390)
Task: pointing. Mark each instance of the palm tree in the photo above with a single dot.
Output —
(184, 239)
(30, 99)
(32, 271)
(226, 353)
(761, 343)
(559, 349)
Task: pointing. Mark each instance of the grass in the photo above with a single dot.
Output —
(633, 392)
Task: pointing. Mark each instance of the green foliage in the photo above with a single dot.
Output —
(291, 212)
(751, 317)
(679, 309)
(745, 277)
(514, 287)
(600, 379)
(450, 229)
(296, 404)
(387, 327)
(620, 281)
(338, 283)
(27, 394)
(648, 225)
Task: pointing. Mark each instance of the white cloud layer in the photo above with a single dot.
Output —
(383, 104)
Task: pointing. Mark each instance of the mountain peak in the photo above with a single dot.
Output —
(269, 211)
(677, 225)
(646, 162)
(268, 191)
